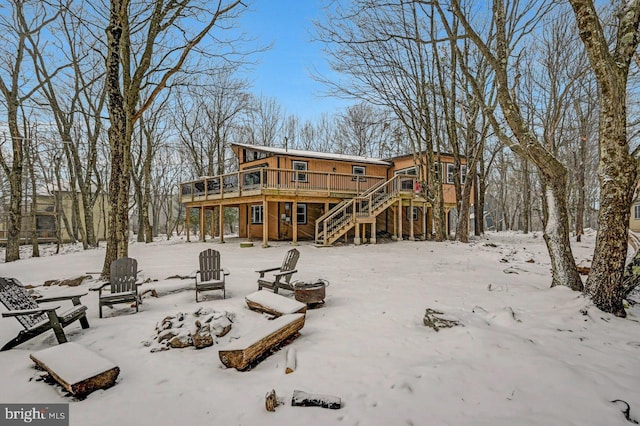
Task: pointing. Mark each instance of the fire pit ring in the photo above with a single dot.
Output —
(311, 292)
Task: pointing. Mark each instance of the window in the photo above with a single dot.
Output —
(360, 171)
(463, 173)
(301, 214)
(451, 168)
(436, 170)
(256, 215)
(414, 214)
(636, 211)
(411, 171)
(299, 166)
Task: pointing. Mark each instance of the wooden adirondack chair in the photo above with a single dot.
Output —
(212, 275)
(123, 284)
(281, 278)
(35, 319)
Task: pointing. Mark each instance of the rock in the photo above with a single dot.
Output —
(432, 320)
(202, 337)
(180, 341)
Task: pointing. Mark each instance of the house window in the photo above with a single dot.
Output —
(256, 215)
(299, 166)
(436, 170)
(636, 211)
(414, 214)
(301, 214)
(411, 171)
(463, 173)
(451, 168)
(360, 171)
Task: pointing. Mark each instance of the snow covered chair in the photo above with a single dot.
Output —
(35, 319)
(281, 278)
(211, 273)
(123, 284)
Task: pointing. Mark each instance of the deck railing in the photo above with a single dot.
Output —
(253, 181)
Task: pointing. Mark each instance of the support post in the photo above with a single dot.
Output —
(202, 236)
(356, 239)
(395, 224)
(424, 222)
(221, 223)
(411, 224)
(186, 222)
(373, 233)
(213, 224)
(265, 224)
(294, 221)
(400, 219)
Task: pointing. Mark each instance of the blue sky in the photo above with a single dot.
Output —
(284, 72)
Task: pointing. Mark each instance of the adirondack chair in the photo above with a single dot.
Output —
(35, 319)
(281, 278)
(212, 275)
(123, 284)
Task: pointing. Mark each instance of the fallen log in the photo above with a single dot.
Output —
(249, 350)
(304, 399)
(267, 302)
(271, 401)
(76, 368)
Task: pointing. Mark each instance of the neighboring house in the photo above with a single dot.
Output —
(290, 195)
(47, 215)
(634, 221)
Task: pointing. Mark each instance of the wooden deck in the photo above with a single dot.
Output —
(275, 182)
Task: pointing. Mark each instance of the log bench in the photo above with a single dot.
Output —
(255, 346)
(76, 368)
(267, 302)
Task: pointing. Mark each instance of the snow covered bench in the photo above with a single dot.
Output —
(274, 304)
(76, 368)
(252, 348)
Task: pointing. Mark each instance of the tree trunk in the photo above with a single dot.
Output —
(119, 142)
(617, 173)
(14, 224)
(556, 234)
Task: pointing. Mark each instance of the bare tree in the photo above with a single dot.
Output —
(511, 21)
(27, 19)
(135, 62)
(618, 168)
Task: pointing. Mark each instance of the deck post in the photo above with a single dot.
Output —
(373, 232)
(202, 227)
(446, 222)
(394, 237)
(411, 224)
(221, 223)
(186, 221)
(265, 224)
(248, 222)
(400, 219)
(424, 221)
(356, 239)
(294, 221)
(213, 224)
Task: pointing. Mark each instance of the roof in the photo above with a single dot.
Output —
(314, 154)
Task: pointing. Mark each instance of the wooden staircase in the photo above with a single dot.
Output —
(361, 209)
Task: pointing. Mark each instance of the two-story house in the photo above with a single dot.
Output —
(290, 195)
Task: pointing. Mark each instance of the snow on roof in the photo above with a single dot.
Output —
(314, 154)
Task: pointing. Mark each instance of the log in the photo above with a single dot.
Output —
(290, 365)
(271, 401)
(267, 302)
(304, 399)
(249, 350)
(76, 368)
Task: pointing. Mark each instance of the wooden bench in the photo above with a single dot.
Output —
(252, 348)
(76, 368)
(267, 302)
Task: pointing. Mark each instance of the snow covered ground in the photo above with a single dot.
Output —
(524, 354)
